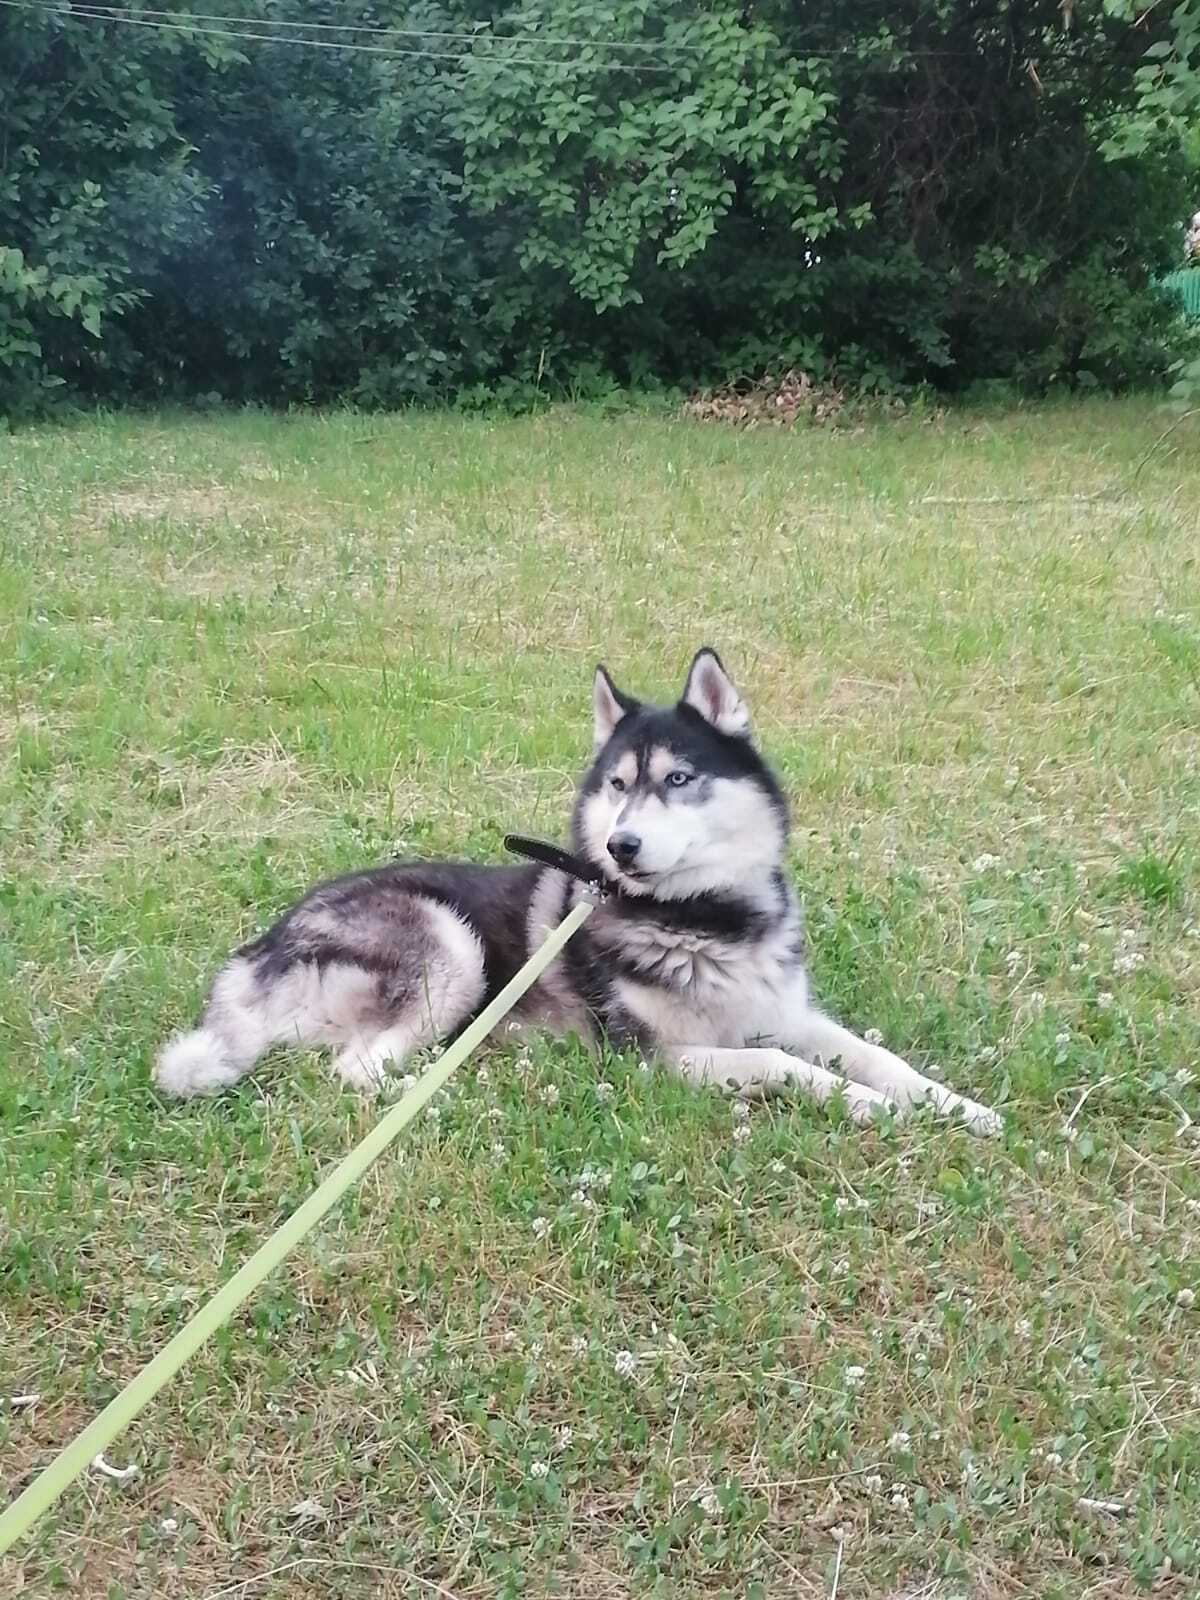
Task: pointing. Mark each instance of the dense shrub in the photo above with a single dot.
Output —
(973, 190)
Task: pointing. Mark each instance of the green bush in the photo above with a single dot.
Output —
(896, 194)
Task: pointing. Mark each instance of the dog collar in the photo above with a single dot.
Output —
(552, 855)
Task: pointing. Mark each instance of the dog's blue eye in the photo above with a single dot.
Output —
(676, 780)
(618, 784)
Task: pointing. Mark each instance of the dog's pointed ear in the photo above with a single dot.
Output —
(712, 692)
(609, 705)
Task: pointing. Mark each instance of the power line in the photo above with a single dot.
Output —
(80, 14)
(87, 12)
(123, 12)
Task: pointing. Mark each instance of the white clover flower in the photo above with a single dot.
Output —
(741, 1133)
(1128, 961)
(1013, 960)
(1185, 1076)
(705, 1497)
(563, 1436)
(899, 1496)
(900, 1440)
(985, 862)
(739, 1111)
(539, 1469)
(1186, 1298)
(1023, 1329)
(841, 1267)
(1104, 1000)
(625, 1364)
(873, 1036)
(853, 1376)
(593, 1177)
(540, 1226)
(498, 1151)
(579, 1345)
(604, 1091)
(550, 1094)
(433, 1114)
(872, 1483)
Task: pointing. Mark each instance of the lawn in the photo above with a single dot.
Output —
(587, 1333)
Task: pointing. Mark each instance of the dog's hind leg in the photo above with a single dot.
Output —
(375, 982)
(409, 1005)
(366, 1063)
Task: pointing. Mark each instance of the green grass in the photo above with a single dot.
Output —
(240, 653)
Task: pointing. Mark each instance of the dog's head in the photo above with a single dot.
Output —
(678, 801)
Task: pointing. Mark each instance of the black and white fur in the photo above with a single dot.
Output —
(696, 958)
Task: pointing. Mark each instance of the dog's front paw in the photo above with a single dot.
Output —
(980, 1119)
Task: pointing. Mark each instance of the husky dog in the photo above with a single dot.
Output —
(694, 957)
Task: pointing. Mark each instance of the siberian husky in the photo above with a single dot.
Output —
(695, 955)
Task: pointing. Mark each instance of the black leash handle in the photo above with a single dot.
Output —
(552, 855)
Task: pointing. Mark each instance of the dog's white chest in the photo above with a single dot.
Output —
(686, 960)
(697, 989)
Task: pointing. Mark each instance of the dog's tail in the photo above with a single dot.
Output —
(199, 1062)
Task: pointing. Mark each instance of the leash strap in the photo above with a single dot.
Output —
(137, 1394)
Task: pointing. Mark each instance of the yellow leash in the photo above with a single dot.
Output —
(71, 1461)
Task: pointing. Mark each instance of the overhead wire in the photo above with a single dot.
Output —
(469, 37)
(190, 23)
(125, 17)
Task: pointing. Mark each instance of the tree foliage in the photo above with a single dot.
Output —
(903, 192)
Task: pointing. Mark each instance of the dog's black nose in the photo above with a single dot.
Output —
(623, 848)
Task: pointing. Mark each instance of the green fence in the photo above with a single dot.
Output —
(1186, 285)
